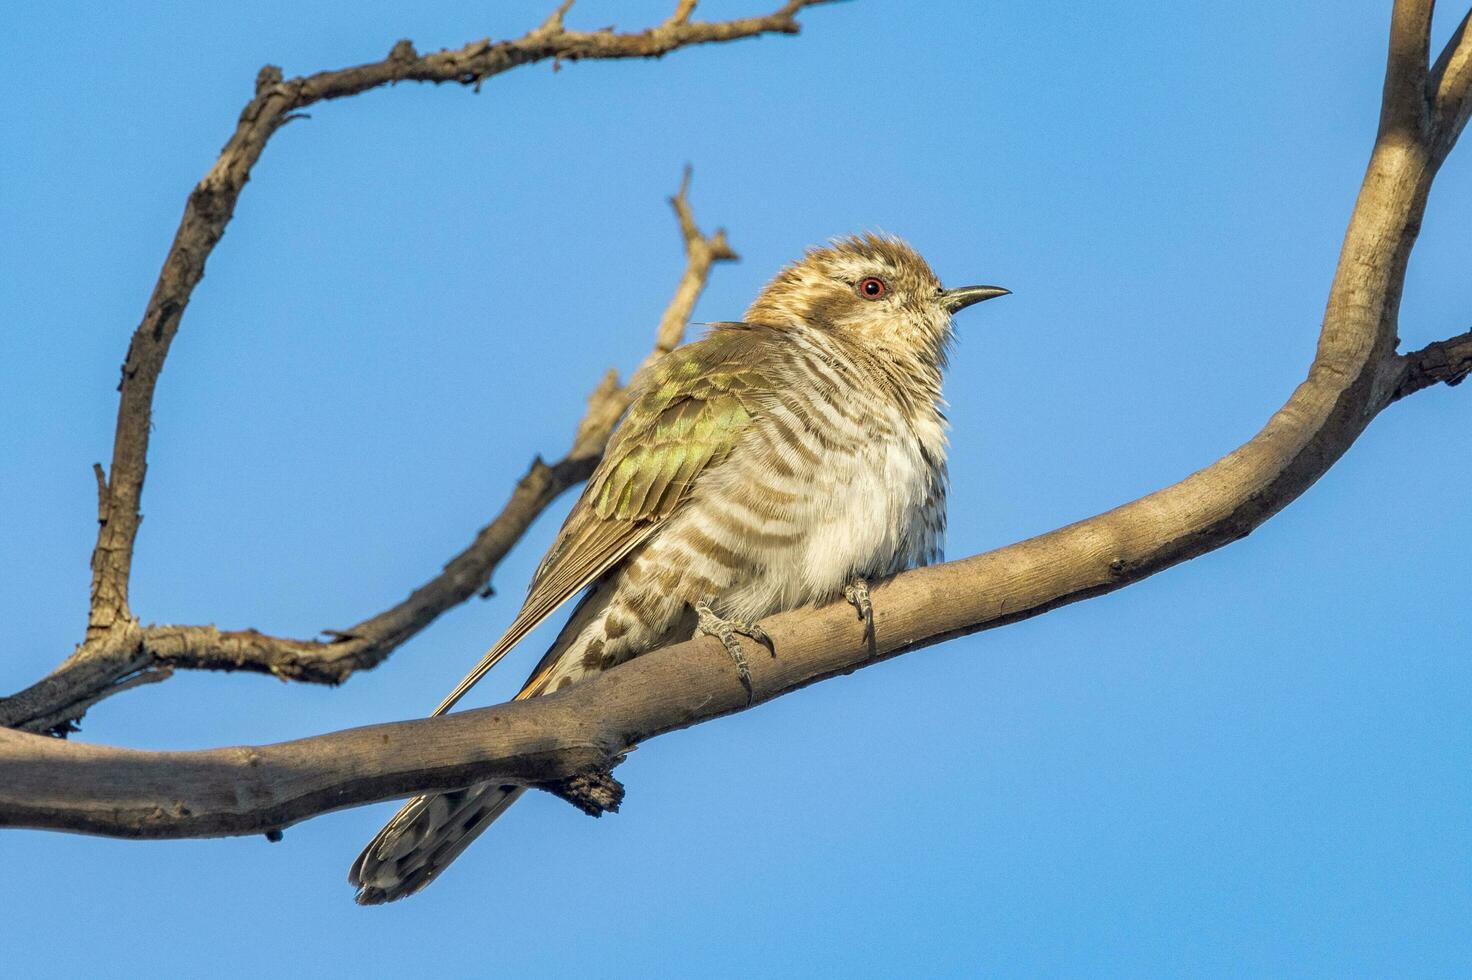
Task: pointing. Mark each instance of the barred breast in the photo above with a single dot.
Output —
(835, 480)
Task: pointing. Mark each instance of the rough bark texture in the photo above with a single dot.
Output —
(569, 742)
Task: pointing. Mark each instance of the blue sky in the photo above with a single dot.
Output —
(1253, 763)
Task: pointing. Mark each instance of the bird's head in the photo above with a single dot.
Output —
(875, 290)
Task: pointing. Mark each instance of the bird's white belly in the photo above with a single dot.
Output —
(863, 514)
(860, 517)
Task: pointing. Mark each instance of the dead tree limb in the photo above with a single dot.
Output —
(130, 653)
(1355, 374)
(118, 652)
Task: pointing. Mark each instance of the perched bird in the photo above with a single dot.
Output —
(780, 461)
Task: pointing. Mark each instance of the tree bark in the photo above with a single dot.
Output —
(569, 742)
(119, 652)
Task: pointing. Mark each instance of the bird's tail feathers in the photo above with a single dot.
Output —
(423, 838)
(430, 831)
(514, 634)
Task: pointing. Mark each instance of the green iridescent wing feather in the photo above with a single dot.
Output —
(686, 416)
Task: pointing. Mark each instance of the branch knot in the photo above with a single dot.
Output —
(595, 792)
(267, 77)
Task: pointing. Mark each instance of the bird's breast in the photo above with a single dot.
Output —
(817, 495)
(867, 515)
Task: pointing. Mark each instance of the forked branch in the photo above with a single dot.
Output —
(1356, 373)
(118, 652)
(131, 653)
(1449, 87)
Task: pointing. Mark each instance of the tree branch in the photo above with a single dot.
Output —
(701, 252)
(1450, 89)
(212, 204)
(1403, 106)
(1444, 362)
(583, 731)
(116, 646)
(117, 659)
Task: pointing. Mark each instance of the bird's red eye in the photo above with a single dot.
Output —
(872, 288)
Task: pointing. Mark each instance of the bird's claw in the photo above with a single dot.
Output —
(857, 594)
(708, 623)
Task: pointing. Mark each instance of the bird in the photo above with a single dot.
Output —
(782, 460)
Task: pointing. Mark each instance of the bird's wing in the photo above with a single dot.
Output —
(688, 409)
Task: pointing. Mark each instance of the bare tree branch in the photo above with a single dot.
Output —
(1450, 89)
(212, 204)
(131, 654)
(1444, 362)
(1403, 107)
(586, 729)
(700, 253)
(551, 741)
(116, 645)
(254, 790)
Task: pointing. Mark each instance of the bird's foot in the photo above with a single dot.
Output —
(857, 594)
(726, 630)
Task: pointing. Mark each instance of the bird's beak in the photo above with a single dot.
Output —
(954, 300)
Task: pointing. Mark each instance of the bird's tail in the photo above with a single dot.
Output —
(423, 838)
(429, 832)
